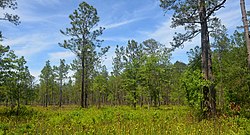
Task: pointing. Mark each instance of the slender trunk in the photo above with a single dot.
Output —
(221, 96)
(134, 102)
(103, 98)
(99, 99)
(52, 95)
(83, 84)
(246, 30)
(167, 97)
(141, 99)
(46, 94)
(208, 104)
(212, 91)
(6, 103)
(86, 90)
(158, 98)
(93, 98)
(18, 101)
(60, 103)
(155, 98)
(26, 96)
(86, 80)
(116, 95)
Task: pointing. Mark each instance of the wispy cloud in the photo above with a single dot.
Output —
(47, 2)
(231, 14)
(30, 11)
(55, 57)
(29, 17)
(163, 33)
(107, 61)
(116, 38)
(30, 44)
(122, 23)
(34, 3)
(36, 74)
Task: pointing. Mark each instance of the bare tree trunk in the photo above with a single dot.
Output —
(134, 102)
(83, 84)
(46, 100)
(60, 103)
(209, 103)
(246, 30)
(99, 99)
(46, 95)
(141, 99)
(221, 96)
(86, 90)
(18, 101)
(52, 95)
(212, 91)
(167, 97)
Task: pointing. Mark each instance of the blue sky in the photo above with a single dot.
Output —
(37, 37)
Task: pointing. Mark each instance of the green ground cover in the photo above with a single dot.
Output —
(116, 120)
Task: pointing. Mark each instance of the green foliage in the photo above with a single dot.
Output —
(144, 71)
(178, 93)
(188, 14)
(236, 81)
(83, 42)
(61, 73)
(117, 120)
(193, 82)
(16, 82)
(100, 84)
(47, 84)
(8, 5)
(133, 58)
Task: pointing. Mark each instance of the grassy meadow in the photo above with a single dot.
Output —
(120, 120)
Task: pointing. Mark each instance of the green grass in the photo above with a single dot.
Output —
(116, 120)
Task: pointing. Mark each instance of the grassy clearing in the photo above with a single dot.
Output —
(116, 120)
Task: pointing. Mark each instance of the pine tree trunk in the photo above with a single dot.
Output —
(46, 95)
(18, 102)
(208, 104)
(246, 30)
(221, 96)
(52, 95)
(134, 100)
(86, 80)
(212, 91)
(83, 84)
(60, 103)
(86, 91)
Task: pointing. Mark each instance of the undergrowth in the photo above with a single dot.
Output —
(116, 120)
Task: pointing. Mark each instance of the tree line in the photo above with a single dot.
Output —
(142, 73)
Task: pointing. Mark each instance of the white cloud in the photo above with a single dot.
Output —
(34, 3)
(29, 17)
(56, 56)
(28, 11)
(116, 39)
(164, 34)
(119, 24)
(29, 45)
(109, 58)
(231, 14)
(36, 74)
(47, 2)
